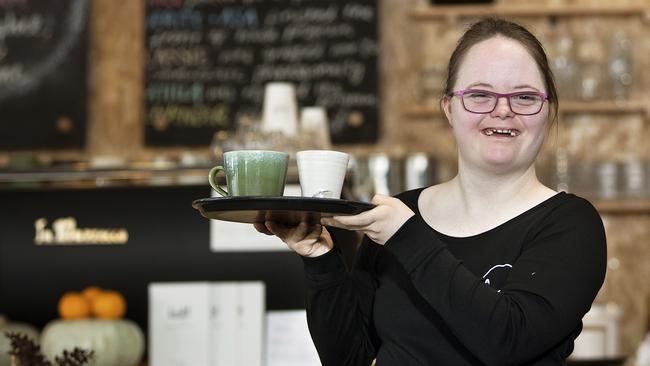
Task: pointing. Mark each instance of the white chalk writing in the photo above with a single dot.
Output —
(175, 56)
(173, 19)
(302, 15)
(358, 12)
(236, 56)
(25, 26)
(353, 71)
(224, 74)
(168, 38)
(10, 73)
(311, 32)
(293, 53)
(265, 35)
(191, 116)
(174, 92)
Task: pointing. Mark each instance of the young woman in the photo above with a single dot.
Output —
(489, 268)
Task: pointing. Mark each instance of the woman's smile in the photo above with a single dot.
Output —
(500, 132)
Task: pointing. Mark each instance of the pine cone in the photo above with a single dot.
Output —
(25, 352)
(78, 357)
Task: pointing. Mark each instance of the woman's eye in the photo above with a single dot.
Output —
(478, 95)
(527, 97)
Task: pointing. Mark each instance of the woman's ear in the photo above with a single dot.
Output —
(445, 105)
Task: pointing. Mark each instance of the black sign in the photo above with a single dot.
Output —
(208, 62)
(167, 241)
(42, 74)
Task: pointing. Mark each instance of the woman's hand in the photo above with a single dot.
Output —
(308, 240)
(380, 223)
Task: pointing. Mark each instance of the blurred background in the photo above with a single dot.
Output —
(112, 113)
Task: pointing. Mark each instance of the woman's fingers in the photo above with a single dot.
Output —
(274, 228)
(315, 232)
(364, 219)
(380, 223)
(294, 234)
(306, 239)
(261, 228)
(361, 221)
(281, 231)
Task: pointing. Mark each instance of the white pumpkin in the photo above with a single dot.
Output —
(13, 327)
(115, 342)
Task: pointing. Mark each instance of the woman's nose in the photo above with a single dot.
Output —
(502, 109)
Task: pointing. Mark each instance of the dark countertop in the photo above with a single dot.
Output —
(72, 176)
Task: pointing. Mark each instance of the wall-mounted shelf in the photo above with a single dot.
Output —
(70, 177)
(568, 107)
(604, 107)
(423, 111)
(623, 206)
(452, 12)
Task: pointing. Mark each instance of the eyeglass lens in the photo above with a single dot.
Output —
(485, 102)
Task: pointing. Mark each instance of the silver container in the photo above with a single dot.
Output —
(386, 174)
(419, 171)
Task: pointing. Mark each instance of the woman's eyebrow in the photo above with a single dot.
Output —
(480, 84)
(526, 86)
(487, 85)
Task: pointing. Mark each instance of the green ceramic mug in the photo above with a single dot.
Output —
(252, 173)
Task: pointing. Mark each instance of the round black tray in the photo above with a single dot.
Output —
(286, 210)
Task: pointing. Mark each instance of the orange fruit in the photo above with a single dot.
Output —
(109, 305)
(73, 305)
(91, 292)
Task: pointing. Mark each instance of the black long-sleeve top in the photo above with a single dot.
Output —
(513, 295)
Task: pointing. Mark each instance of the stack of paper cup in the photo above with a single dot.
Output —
(322, 172)
(280, 109)
(314, 120)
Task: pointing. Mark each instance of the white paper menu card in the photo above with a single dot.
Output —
(288, 342)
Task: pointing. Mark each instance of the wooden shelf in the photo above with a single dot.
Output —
(423, 111)
(623, 206)
(604, 107)
(451, 12)
(426, 111)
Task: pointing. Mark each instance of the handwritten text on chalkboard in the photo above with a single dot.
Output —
(208, 62)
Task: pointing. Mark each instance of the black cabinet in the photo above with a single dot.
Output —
(167, 241)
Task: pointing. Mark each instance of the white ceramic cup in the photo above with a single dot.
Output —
(322, 172)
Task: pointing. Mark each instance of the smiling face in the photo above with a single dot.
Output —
(500, 141)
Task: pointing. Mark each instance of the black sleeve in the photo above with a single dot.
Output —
(339, 307)
(548, 290)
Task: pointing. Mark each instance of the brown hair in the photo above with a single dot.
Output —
(487, 28)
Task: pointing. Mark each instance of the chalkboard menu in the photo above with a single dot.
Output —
(208, 62)
(42, 74)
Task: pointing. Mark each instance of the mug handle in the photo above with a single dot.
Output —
(213, 181)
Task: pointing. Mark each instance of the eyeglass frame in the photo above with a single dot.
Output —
(461, 93)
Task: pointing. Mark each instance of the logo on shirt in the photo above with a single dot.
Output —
(496, 275)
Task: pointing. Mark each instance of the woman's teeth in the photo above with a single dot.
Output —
(492, 131)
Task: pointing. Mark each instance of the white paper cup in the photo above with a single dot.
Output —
(280, 109)
(322, 172)
(314, 120)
